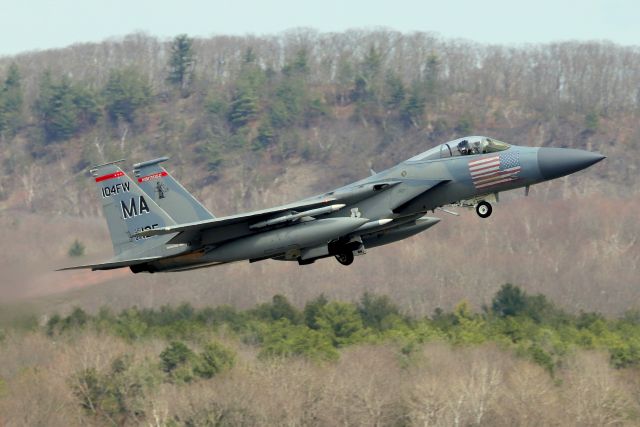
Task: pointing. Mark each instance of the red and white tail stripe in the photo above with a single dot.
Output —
(156, 175)
(109, 176)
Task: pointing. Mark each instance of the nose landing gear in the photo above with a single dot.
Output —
(484, 209)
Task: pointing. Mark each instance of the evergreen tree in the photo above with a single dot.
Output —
(509, 301)
(367, 86)
(181, 62)
(11, 101)
(591, 122)
(413, 109)
(3, 118)
(312, 309)
(88, 109)
(249, 56)
(341, 322)
(126, 92)
(63, 108)
(282, 308)
(279, 308)
(345, 77)
(289, 102)
(299, 66)
(432, 75)
(246, 97)
(368, 78)
(395, 92)
(214, 359)
(244, 106)
(175, 355)
(374, 309)
(12, 88)
(371, 65)
(265, 136)
(45, 93)
(56, 109)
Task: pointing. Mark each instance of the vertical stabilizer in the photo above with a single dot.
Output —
(127, 209)
(158, 184)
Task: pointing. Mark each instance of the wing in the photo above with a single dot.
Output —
(224, 228)
(187, 232)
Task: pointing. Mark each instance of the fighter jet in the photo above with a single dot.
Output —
(156, 225)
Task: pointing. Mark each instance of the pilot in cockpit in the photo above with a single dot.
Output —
(476, 147)
(464, 148)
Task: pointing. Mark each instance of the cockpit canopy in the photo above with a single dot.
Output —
(462, 147)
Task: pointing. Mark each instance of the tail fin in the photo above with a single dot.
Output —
(127, 209)
(168, 193)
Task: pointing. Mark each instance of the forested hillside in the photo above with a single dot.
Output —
(239, 111)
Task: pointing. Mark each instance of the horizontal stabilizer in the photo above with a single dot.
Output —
(113, 264)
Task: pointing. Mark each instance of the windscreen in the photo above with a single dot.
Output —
(462, 147)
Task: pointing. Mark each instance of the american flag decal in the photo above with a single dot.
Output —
(494, 170)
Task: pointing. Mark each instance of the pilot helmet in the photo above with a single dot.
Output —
(463, 146)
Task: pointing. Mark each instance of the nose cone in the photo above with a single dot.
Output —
(557, 162)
